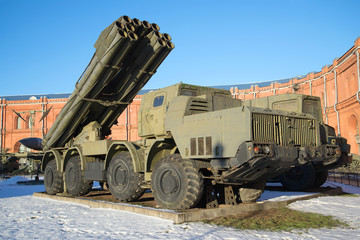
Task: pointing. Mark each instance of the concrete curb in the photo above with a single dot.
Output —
(192, 214)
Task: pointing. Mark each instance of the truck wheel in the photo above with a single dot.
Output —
(320, 178)
(250, 192)
(299, 178)
(124, 183)
(176, 184)
(76, 185)
(53, 179)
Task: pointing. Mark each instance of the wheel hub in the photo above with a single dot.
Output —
(71, 177)
(170, 183)
(120, 176)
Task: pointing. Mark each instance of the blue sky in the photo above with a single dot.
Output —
(45, 45)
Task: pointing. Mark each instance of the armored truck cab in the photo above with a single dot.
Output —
(315, 173)
(229, 143)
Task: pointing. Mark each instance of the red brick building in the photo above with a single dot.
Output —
(338, 86)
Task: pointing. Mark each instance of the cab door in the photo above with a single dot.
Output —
(155, 118)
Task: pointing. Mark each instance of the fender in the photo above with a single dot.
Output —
(121, 146)
(50, 155)
(158, 149)
(69, 153)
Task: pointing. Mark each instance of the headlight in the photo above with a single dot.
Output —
(256, 150)
(338, 151)
(266, 150)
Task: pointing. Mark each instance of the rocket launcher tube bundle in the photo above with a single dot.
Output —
(83, 88)
(128, 53)
(128, 80)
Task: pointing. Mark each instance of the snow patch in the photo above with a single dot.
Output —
(13, 180)
(346, 188)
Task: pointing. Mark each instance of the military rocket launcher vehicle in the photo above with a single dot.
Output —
(197, 143)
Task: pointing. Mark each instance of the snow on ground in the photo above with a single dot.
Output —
(344, 208)
(24, 216)
(280, 195)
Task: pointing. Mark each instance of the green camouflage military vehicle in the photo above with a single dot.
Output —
(315, 173)
(196, 142)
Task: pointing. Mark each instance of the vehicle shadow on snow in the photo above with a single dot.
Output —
(11, 188)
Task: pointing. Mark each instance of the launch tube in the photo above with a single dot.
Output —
(167, 37)
(155, 27)
(129, 27)
(143, 29)
(136, 22)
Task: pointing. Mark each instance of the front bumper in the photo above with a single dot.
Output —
(257, 162)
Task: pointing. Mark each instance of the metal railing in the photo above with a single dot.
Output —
(349, 178)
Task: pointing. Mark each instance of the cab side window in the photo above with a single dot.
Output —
(158, 101)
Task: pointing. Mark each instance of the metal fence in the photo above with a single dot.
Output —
(349, 178)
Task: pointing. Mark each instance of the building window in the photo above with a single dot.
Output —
(17, 123)
(30, 122)
(23, 149)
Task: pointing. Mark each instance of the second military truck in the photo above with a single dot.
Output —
(197, 143)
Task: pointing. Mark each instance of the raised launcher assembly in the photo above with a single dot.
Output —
(128, 52)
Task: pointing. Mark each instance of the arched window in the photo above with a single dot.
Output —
(354, 138)
(21, 148)
(18, 123)
(30, 122)
(353, 125)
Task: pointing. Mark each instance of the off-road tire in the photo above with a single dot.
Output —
(53, 179)
(176, 183)
(320, 178)
(251, 192)
(124, 183)
(300, 178)
(76, 184)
